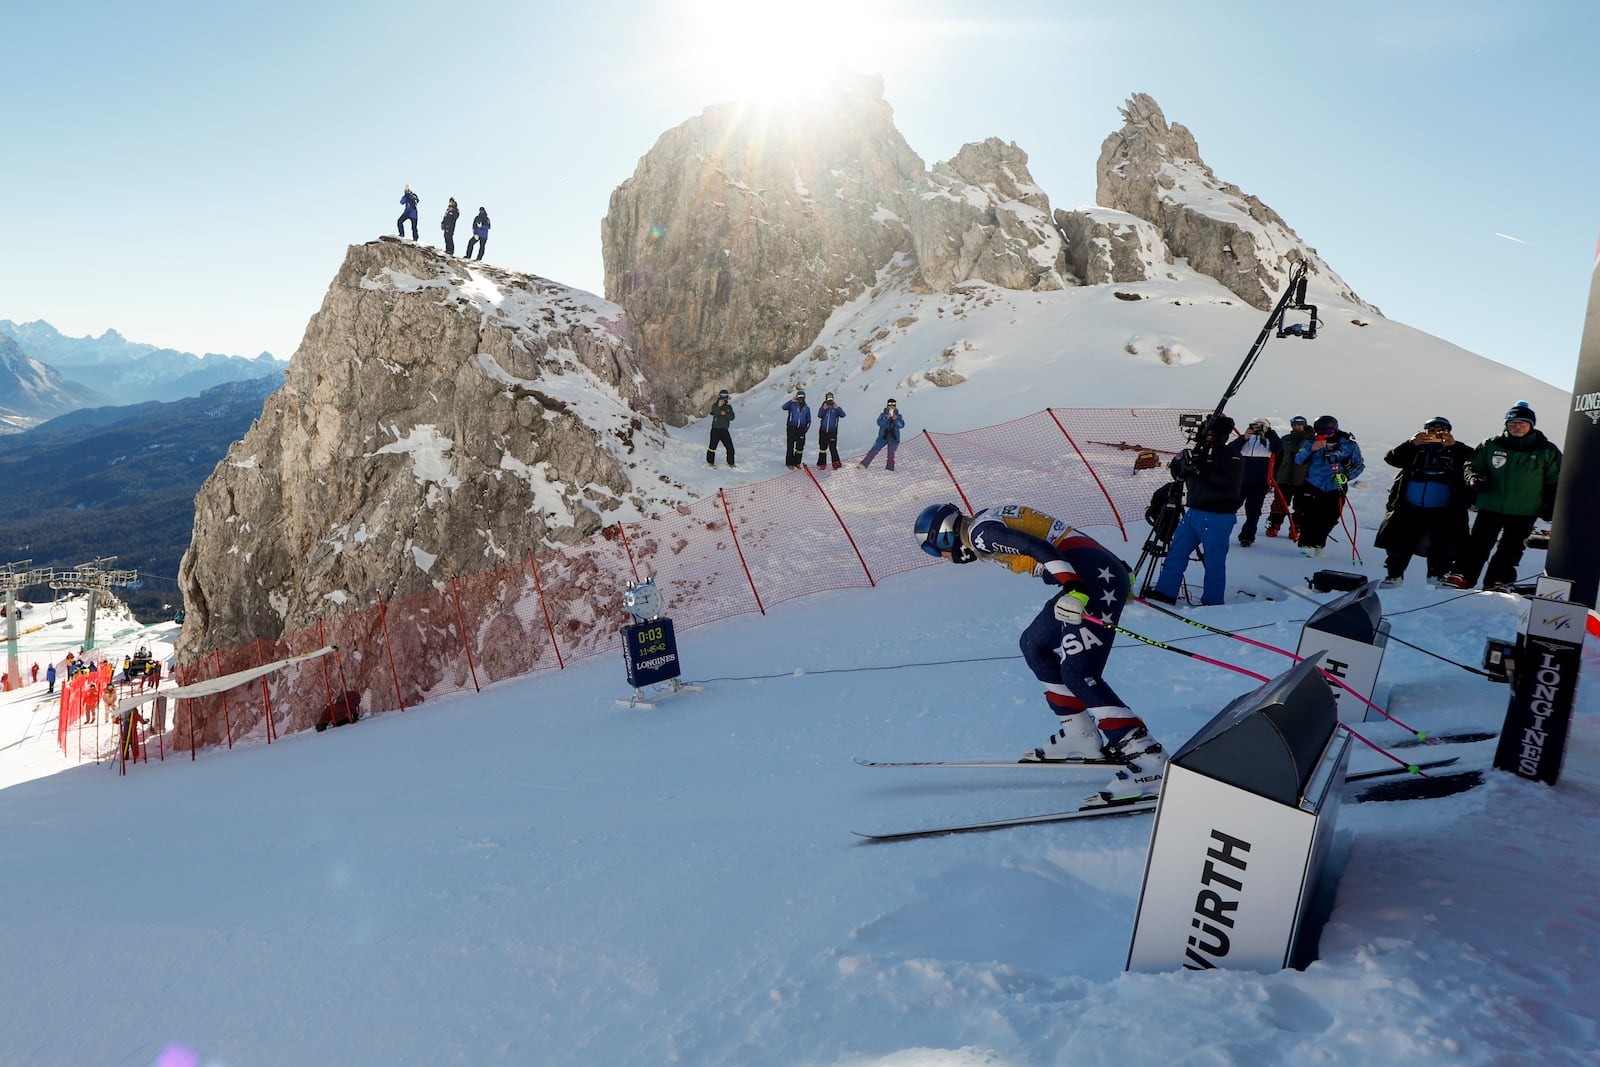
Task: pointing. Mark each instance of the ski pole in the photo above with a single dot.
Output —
(1284, 652)
(1412, 767)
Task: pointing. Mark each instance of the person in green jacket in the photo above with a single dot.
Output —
(1514, 475)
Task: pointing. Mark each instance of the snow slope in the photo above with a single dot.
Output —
(534, 874)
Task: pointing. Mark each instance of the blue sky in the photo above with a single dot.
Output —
(190, 174)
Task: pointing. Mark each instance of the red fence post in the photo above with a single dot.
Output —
(548, 625)
(227, 716)
(965, 503)
(740, 550)
(627, 548)
(848, 536)
(465, 646)
(1092, 472)
(266, 697)
(388, 648)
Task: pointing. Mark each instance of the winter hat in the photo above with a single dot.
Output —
(799, 394)
(828, 397)
(1522, 411)
(1221, 425)
(891, 402)
(1438, 422)
(1298, 419)
(1325, 424)
(723, 395)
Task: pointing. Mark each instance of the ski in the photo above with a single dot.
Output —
(1390, 772)
(1137, 807)
(1443, 785)
(1466, 737)
(995, 763)
(1133, 807)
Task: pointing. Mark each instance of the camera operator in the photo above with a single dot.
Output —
(1333, 460)
(1427, 508)
(1213, 477)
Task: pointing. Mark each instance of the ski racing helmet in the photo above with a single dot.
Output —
(938, 531)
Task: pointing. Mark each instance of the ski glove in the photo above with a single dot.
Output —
(1068, 608)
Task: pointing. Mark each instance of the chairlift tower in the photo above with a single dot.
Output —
(14, 576)
(96, 578)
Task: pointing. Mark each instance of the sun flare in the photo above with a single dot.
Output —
(787, 51)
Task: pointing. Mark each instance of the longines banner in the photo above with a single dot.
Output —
(1539, 712)
(1574, 549)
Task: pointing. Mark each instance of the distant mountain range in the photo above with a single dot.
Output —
(44, 373)
(120, 481)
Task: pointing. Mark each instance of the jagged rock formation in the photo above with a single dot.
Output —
(1153, 170)
(742, 229)
(1105, 246)
(438, 419)
(31, 391)
(981, 216)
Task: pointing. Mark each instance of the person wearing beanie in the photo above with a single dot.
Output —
(1428, 502)
(408, 210)
(1333, 460)
(890, 424)
(1514, 474)
(721, 417)
(1288, 476)
(1213, 485)
(828, 416)
(447, 226)
(797, 422)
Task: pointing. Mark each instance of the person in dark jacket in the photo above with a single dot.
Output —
(1260, 448)
(721, 416)
(1333, 460)
(890, 425)
(1428, 502)
(448, 225)
(1515, 475)
(480, 233)
(828, 416)
(1213, 482)
(1288, 475)
(408, 210)
(796, 423)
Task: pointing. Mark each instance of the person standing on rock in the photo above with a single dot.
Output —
(721, 416)
(480, 233)
(795, 428)
(448, 225)
(408, 210)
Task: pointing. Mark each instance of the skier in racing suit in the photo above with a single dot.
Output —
(1065, 651)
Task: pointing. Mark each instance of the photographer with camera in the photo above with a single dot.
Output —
(1064, 650)
(1427, 508)
(1333, 460)
(1213, 478)
(1261, 449)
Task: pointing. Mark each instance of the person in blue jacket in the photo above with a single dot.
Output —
(890, 423)
(408, 210)
(1333, 460)
(828, 416)
(795, 425)
(480, 234)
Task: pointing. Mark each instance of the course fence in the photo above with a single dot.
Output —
(743, 550)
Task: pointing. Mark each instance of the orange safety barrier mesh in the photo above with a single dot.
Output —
(741, 550)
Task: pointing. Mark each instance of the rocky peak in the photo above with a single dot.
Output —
(980, 215)
(440, 418)
(1153, 170)
(742, 229)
